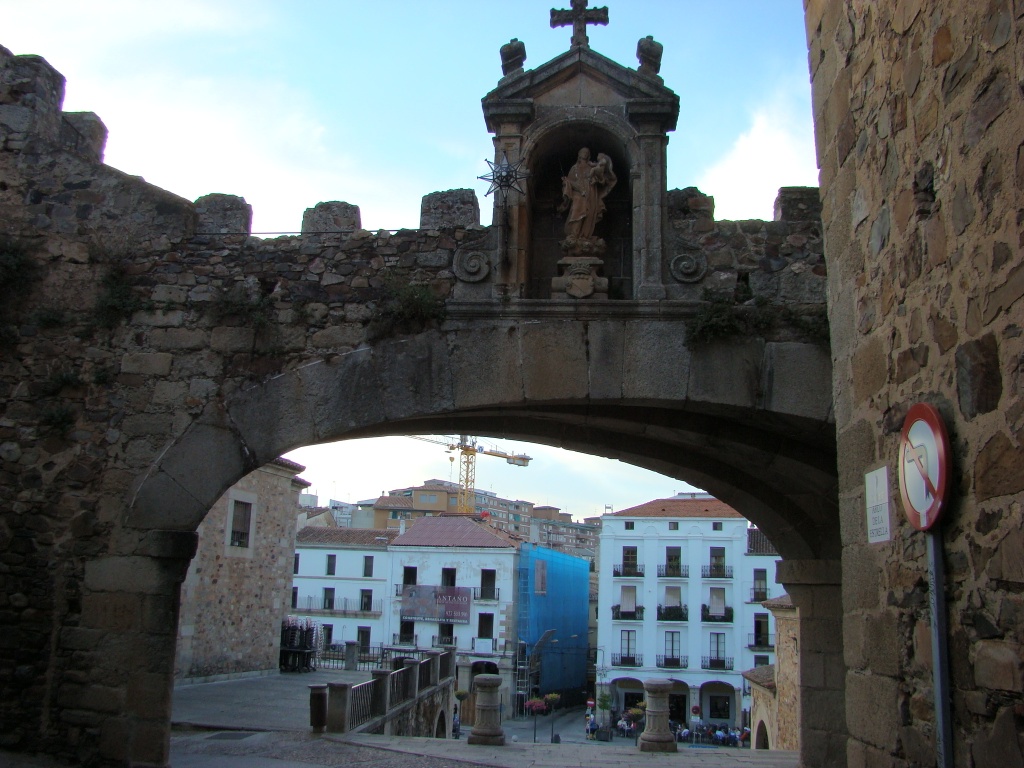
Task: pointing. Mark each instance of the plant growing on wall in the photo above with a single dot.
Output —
(405, 308)
(117, 300)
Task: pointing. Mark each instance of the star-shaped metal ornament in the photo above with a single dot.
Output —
(504, 176)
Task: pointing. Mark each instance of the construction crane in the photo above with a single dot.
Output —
(468, 451)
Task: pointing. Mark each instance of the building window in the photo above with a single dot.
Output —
(295, 567)
(673, 525)
(717, 645)
(332, 564)
(719, 707)
(447, 577)
(760, 592)
(241, 518)
(328, 630)
(485, 626)
(328, 598)
(295, 597)
(363, 638)
(761, 636)
(407, 633)
(540, 577)
(717, 607)
(761, 660)
(630, 525)
(367, 565)
(716, 526)
(365, 599)
(446, 634)
(627, 644)
(672, 645)
(488, 578)
(409, 574)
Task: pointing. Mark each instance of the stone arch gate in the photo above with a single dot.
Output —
(154, 352)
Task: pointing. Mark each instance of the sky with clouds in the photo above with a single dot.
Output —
(377, 103)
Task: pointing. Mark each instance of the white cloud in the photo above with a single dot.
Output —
(777, 150)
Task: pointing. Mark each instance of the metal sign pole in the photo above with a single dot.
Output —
(940, 658)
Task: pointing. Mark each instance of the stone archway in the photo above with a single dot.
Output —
(441, 726)
(761, 736)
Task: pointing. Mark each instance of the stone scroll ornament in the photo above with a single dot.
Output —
(689, 265)
(471, 264)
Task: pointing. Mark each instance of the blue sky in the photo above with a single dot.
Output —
(378, 103)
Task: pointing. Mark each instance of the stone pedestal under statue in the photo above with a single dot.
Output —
(657, 736)
(487, 729)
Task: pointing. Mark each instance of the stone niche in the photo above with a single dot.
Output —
(541, 120)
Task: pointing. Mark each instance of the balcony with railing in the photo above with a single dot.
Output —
(627, 660)
(442, 641)
(716, 571)
(637, 614)
(759, 594)
(758, 641)
(674, 570)
(724, 617)
(340, 606)
(627, 570)
(488, 645)
(716, 662)
(486, 593)
(673, 612)
(673, 662)
(400, 639)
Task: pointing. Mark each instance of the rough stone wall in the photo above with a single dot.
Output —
(787, 679)
(233, 599)
(917, 111)
(764, 708)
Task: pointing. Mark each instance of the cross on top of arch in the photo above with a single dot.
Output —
(579, 17)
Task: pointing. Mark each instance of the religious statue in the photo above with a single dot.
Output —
(584, 189)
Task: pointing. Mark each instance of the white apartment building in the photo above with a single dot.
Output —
(447, 582)
(681, 582)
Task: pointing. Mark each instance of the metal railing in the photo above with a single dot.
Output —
(673, 612)
(400, 639)
(637, 614)
(673, 662)
(627, 660)
(674, 570)
(628, 569)
(759, 594)
(486, 593)
(399, 588)
(437, 641)
(338, 605)
(488, 645)
(399, 684)
(707, 615)
(716, 571)
(424, 668)
(361, 703)
(760, 640)
(716, 662)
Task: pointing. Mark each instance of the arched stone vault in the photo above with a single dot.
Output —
(706, 421)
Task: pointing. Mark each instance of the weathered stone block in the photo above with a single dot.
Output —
(999, 468)
(1000, 747)
(978, 376)
(147, 363)
(554, 361)
(343, 336)
(791, 372)
(872, 702)
(999, 665)
(330, 217)
(178, 339)
(220, 214)
(454, 208)
(232, 339)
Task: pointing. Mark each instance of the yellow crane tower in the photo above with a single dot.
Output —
(468, 451)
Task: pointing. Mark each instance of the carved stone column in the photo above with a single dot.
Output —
(657, 736)
(487, 729)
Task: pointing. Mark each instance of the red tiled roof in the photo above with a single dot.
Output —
(393, 502)
(452, 531)
(680, 508)
(783, 601)
(281, 461)
(763, 676)
(361, 537)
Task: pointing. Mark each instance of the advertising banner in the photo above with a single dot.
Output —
(451, 605)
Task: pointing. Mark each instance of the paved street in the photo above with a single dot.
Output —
(263, 722)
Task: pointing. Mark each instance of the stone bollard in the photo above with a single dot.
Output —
(338, 707)
(657, 736)
(487, 729)
(351, 655)
(318, 707)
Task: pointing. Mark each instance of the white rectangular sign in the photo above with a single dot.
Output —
(876, 494)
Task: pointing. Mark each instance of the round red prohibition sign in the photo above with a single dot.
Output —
(924, 465)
